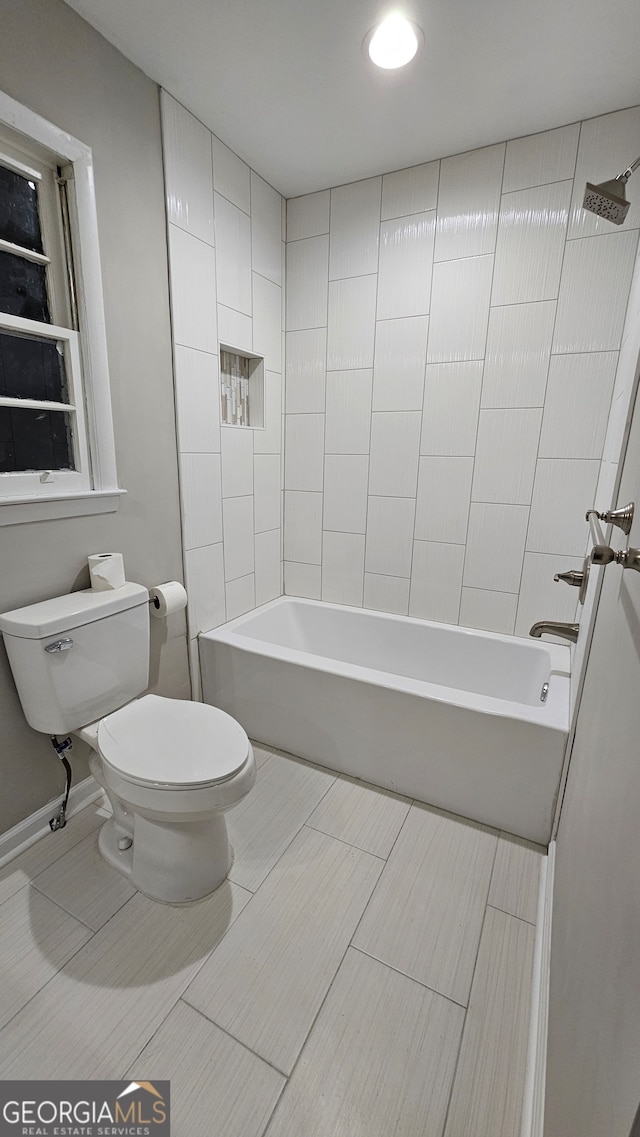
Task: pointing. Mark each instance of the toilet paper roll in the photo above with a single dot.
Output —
(167, 598)
(106, 571)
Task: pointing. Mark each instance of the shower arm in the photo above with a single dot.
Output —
(624, 178)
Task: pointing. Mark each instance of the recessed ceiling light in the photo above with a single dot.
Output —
(394, 42)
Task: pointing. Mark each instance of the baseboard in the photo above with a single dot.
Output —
(26, 832)
(533, 1106)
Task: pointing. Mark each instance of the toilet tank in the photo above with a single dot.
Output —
(76, 658)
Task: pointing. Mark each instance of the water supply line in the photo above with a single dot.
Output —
(61, 748)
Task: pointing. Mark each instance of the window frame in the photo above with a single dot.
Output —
(61, 494)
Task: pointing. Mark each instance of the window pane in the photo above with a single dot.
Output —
(19, 220)
(32, 368)
(23, 288)
(34, 440)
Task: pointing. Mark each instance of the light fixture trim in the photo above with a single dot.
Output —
(393, 42)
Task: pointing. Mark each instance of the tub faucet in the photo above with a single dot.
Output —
(553, 628)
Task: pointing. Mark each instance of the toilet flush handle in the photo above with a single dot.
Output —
(59, 645)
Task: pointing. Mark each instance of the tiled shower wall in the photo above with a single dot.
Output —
(226, 255)
(452, 341)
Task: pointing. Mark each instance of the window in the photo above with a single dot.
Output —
(56, 435)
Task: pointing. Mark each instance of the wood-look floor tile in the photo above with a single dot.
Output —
(489, 1083)
(261, 827)
(84, 884)
(515, 881)
(36, 940)
(95, 1015)
(23, 868)
(425, 916)
(217, 1086)
(379, 1060)
(267, 979)
(361, 815)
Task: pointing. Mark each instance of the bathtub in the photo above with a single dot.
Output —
(449, 716)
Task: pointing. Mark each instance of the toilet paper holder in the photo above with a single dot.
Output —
(167, 598)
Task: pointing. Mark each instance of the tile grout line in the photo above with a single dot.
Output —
(482, 378)
(316, 1016)
(324, 410)
(14, 862)
(289, 843)
(424, 387)
(506, 912)
(475, 963)
(373, 382)
(205, 959)
(58, 904)
(348, 844)
(66, 962)
(484, 915)
(434, 990)
(556, 301)
(227, 1032)
(331, 984)
(181, 997)
(455, 1073)
(375, 887)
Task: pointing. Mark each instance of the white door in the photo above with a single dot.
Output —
(593, 1067)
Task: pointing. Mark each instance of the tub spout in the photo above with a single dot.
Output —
(553, 628)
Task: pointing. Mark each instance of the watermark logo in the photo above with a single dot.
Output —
(84, 1109)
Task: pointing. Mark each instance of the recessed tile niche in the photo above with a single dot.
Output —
(241, 388)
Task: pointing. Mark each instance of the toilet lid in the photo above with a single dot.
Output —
(173, 742)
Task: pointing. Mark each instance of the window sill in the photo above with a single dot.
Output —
(21, 510)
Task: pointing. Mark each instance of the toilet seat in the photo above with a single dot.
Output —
(172, 742)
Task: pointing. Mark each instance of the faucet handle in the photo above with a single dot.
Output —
(572, 577)
(577, 579)
(622, 517)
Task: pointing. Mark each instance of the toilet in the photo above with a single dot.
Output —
(170, 768)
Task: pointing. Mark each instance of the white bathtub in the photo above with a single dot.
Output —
(449, 716)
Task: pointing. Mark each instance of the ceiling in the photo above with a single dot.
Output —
(286, 85)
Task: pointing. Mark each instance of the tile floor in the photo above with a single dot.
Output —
(365, 972)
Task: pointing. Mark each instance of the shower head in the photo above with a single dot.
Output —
(608, 198)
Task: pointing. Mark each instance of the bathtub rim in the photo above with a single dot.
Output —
(553, 714)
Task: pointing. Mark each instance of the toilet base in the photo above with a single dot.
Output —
(108, 837)
(171, 862)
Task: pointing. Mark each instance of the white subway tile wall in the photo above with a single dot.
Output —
(233, 249)
(452, 340)
(453, 333)
(405, 266)
(406, 192)
(267, 321)
(468, 203)
(398, 371)
(343, 568)
(355, 229)
(240, 595)
(227, 251)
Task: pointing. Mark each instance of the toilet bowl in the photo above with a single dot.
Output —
(170, 769)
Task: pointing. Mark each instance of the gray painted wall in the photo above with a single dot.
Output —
(53, 62)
